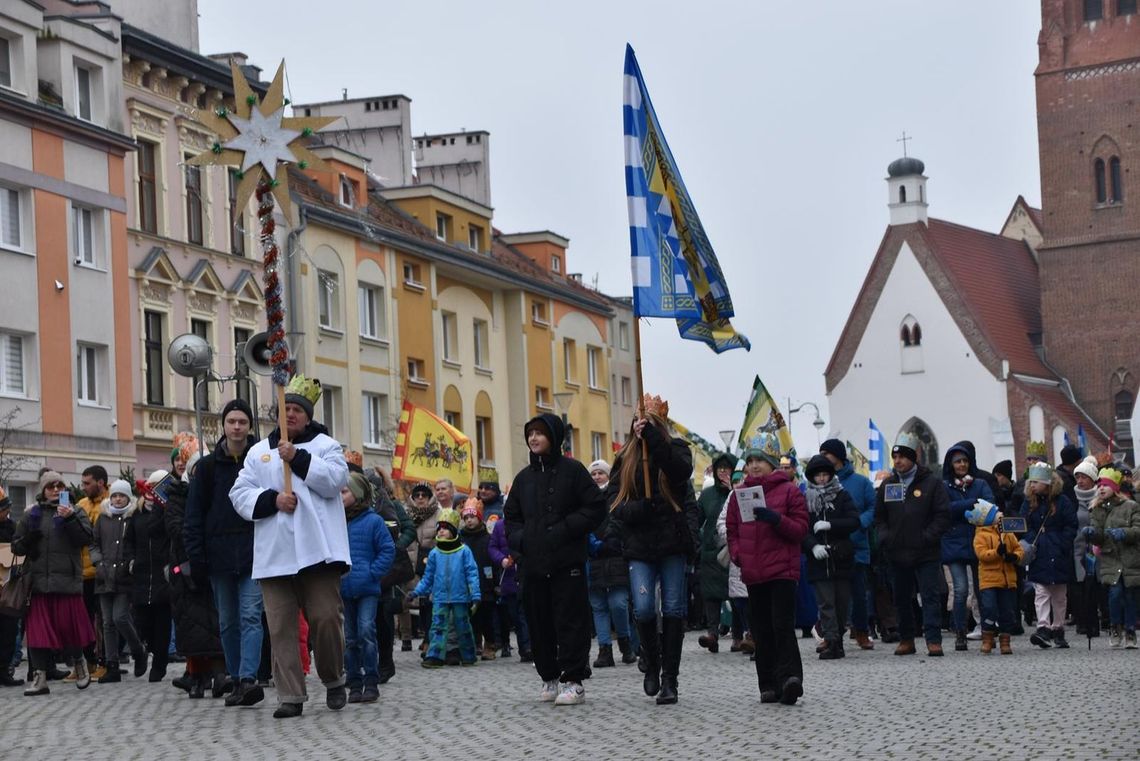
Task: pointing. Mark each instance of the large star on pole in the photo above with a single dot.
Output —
(259, 140)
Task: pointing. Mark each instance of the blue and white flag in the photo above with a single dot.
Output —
(875, 448)
(675, 272)
(1082, 442)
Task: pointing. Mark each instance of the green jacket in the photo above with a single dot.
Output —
(713, 576)
(1117, 558)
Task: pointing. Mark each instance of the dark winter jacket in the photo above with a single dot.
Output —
(862, 493)
(191, 602)
(553, 503)
(108, 551)
(608, 567)
(52, 546)
(479, 542)
(713, 575)
(910, 531)
(768, 552)
(985, 475)
(394, 514)
(372, 551)
(506, 579)
(1053, 563)
(652, 529)
(841, 513)
(958, 541)
(1068, 482)
(214, 534)
(147, 551)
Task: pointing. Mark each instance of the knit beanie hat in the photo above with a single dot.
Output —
(818, 464)
(48, 478)
(422, 488)
(1070, 454)
(1004, 468)
(239, 405)
(601, 465)
(360, 488)
(907, 446)
(121, 487)
(835, 448)
(1088, 468)
(760, 454)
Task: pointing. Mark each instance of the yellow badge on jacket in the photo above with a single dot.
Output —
(265, 458)
(918, 492)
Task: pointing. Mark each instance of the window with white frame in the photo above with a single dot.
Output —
(593, 365)
(626, 391)
(482, 344)
(84, 92)
(475, 237)
(330, 409)
(347, 192)
(453, 419)
(195, 216)
(542, 397)
(375, 411)
(154, 348)
(416, 370)
(328, 299)
(442, 226)
(12, 348)
(597, 445)
(147, 161)
(450, 337)
(86, 234)
(556, 264)
(88, 367)
(569, 360)
(11, 218)
(370, 304)
(412, 274)
(623, 336)
(5, 62)
(538, 312)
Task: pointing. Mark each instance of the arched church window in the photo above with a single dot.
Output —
(902, 194)
(1116, 179)
(927, 448)
(1099, 180)
(905, 335)
(910, 338)
(916, 334)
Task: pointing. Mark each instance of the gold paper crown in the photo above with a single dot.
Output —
(1112, 474)
(1035, 449)
(655, 405)
(450, 516)
(310, 388)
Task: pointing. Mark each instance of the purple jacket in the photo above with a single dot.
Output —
(507, 580)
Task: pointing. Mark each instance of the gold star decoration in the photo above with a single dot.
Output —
(259, 140)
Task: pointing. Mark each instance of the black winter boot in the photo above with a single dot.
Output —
(605, 657)
(627, 655)
(198, 686)
(672, 638)
(651, 654)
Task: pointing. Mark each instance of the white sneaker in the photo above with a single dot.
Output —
(82, 675)
(1116, 637)
(976, 634)
(572, 694)
(549, 691)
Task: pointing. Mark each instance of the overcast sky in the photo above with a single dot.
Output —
(781, 115)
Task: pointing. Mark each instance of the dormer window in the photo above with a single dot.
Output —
(83, 94)
(555, 264)
(442, 226)
(347, 192)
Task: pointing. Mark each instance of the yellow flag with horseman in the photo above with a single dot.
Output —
(428, 448)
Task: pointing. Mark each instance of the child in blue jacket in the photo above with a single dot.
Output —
(372, 551)
(452, 579)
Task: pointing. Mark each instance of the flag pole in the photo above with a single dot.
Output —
(641, 406)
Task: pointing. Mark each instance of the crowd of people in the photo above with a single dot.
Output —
(255, 560)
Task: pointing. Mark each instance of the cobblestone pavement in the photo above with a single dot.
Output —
(1035, 704)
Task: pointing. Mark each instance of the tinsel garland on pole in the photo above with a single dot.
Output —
(279, 358)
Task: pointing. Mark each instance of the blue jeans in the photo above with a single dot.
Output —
(239, 604)
(610, 604)
(643, 578)
(998, 608)
(928, 575)
(1122, 606)
(858, 616)
(961, 578)
(360, 652)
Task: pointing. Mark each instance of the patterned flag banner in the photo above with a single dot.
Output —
(429, 449)
(703, 453)
(858, 460)
(763, 420)
(875, 446)
(1082, 442)
(675, 272)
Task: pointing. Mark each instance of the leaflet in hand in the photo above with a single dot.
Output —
(748, 498)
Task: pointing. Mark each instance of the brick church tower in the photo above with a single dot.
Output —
(1088, 125)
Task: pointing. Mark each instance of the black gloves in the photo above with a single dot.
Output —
(766, 515)
(1001, 550)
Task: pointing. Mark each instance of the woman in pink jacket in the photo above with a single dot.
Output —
(764, 536)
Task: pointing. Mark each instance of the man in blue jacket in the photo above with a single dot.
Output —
(862, 492)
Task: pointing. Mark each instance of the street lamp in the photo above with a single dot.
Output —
(818, 422)
(563, 400)
(728, 437)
